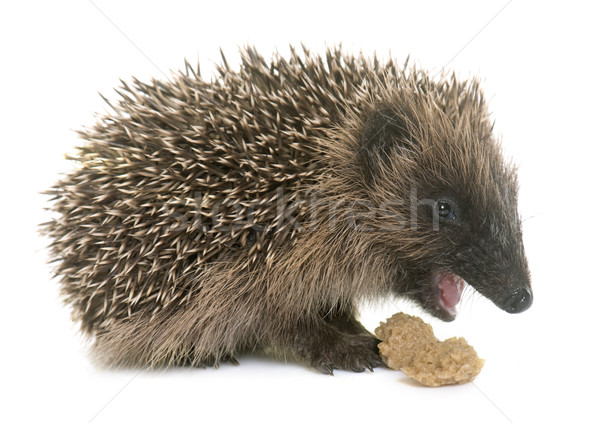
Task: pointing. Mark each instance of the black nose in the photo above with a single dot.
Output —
(519, 300)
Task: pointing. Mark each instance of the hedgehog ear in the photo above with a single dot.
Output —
(385, 133)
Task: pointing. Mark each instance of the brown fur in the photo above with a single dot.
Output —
(210, 218)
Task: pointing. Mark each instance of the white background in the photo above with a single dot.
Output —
(540, 66)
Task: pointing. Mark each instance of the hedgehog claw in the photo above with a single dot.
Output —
(341, 351)
(325, 368)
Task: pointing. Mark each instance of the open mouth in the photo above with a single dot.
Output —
(448, 289)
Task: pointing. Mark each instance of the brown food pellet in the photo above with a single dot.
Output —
(409, 345)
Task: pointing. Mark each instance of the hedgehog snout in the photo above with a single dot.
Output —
(518, 300)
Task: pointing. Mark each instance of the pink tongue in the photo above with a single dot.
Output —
(451, 287)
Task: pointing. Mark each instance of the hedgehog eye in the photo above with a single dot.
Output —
(445, 210)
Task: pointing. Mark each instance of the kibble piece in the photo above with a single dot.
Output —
(409, 345)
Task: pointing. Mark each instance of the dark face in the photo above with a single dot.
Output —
(475, 241)
(467, 228)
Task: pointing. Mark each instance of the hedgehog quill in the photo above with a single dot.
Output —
(206, 219)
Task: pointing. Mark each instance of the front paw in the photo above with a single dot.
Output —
(349, 352)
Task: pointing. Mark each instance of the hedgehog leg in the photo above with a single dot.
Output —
(326, 348)
(211, 362)
(344, 319)
(192, 359)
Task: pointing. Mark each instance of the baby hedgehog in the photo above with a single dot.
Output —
(255, 211)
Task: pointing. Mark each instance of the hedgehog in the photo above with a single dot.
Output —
(258, 210)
